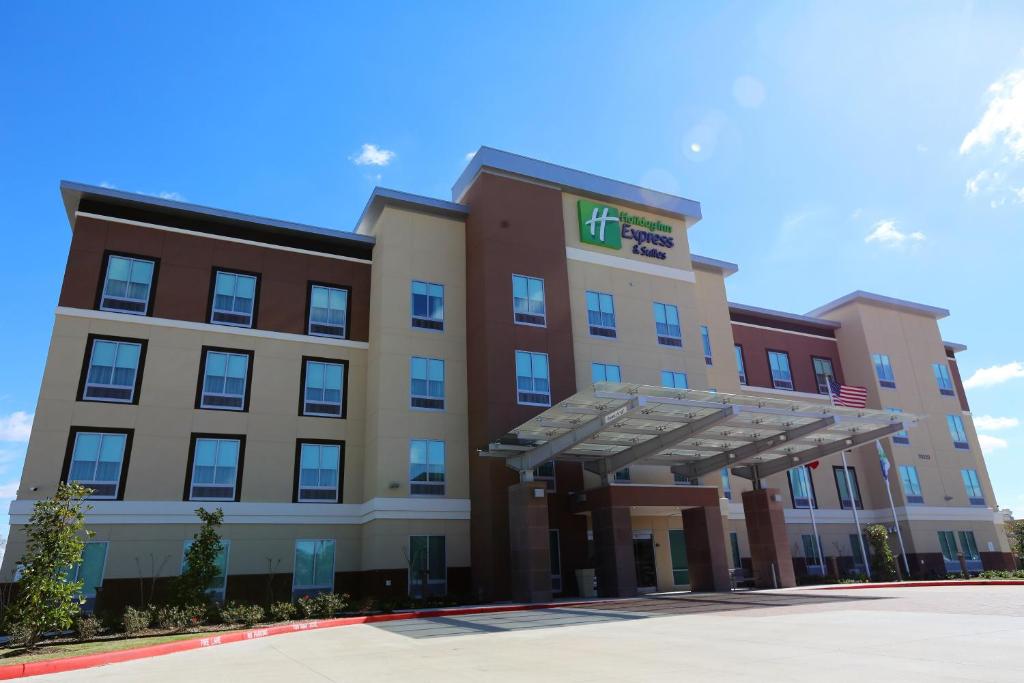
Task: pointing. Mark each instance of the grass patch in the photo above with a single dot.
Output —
(46, 651)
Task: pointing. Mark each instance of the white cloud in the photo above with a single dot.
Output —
(993, 423)
(921, 148)
(990, 444)
(15, 426)
(470, 155)
(1003, 118)
(173, 196)
(886, 233)
(109, 186)
(372, 155)
(997, 374)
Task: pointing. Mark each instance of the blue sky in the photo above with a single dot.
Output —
(872, 146)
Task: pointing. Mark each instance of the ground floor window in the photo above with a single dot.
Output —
(428, 566)
(556, 561)
(811, 553)
(680, 567)
(734, 542)
(90, 572)
(314, 567)
(217, 590)
(968, 546)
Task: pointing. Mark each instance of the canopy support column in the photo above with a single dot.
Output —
(769, 544)
(530, 550)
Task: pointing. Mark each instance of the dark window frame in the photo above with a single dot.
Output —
(70, 448)
(789, 362)
(309, 308)
(858, 502)
(193, 438)
(344, 387)
(254, 323)
(742, 372)
(202, 376)
(298, 467)
(814, 493)
(105, 265)
(86, 361)
(814, 371)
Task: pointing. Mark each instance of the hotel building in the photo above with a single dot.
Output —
(480, 397)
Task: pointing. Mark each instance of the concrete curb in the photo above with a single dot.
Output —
(51, 666)
(920, 584)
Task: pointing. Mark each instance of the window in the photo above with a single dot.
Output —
(822, 373)
(801, 488)
(680, 566)
(426, 383)
(947, 543)
(901, 437)
(956, 432)
(426, 467)
(214, 467)
(911, 484)
(319, 468)
(602, 372)
(705, 338)
(683, 480)
(225, 380)
(113, 371)
(972, 485)
(429, 575)
(778, 362)
(666, 325)
(218, 585)
(844, 493)
(968, 545)
(427, 305)
(323, 382)
(943, 380)
(546, 474)
(883, 370)
(533, 384)
(90, 572)
(858, 552)
(674, 380)
(812, 546)
(234, 299)
(314, 567)
(554, 550)
(601, 314)
(734, 544)
(98, 459)
(622, 475)
(328, 311)
(726, 484)
(128, 285)
(740, 365)
(528, 300)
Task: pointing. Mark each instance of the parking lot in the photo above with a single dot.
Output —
(893, 634)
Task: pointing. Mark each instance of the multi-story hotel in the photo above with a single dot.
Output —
(482, 396)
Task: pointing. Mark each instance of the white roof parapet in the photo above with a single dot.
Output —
(879, 299)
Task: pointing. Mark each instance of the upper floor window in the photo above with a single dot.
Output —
(216, 464)
(943, 379)
(801, 488)
(778, 363)
(314, 567)
(901, 437)
(320, 466)
(545, 472)
(823, 372)
(427, 305)
(533, 381)
(234, 299)
(323, 382)
(114, 370)
(225, 383)
(883, 370)
(603, 372)
(328, 311)
(128, 285)
(845, 500)
(972, 485)
(705, 339)
(98, 461)
(740, 364)
(726, 485)
(911, 484)
(426, 379)
(601, 314)
(528, 300)
(666, 324)
(956, 432)
(671, 379)
(426, 467)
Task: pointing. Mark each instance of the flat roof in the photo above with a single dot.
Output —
(725, 267)
(382, 196)
(881, 300)
(782, 315)
(570, 179)
(954, 347)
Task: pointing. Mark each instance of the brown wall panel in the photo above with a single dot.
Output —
(756, 343)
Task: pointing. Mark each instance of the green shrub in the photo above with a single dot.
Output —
(1002, 574)
(19, 635)
(176, 618)
(883, 563)
(200, 570)
(322, 605)
(87, 627)
(240, 613)
(282, 611)
(135, 621)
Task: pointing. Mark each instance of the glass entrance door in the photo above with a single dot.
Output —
(643, 557)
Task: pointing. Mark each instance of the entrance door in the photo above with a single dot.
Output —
(643, 557)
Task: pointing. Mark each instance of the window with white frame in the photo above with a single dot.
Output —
(320, 466)
(324, 390)
(901, 437)
(883, 370)
(90, 572)
(427, 305)
(428, 565)
(972, 485)
(314, 567)
(911, 485)
(956, 432)
(778, 363)
(555, 554)
(426, 467)
(127, 285)
(234, 299)
(528, 300)
(943, 379)
(215, 465)
(97, 461)
(666, 324)
(741, 365)
(328, 311)
(605, 372)
(113, 370)
(533, 382)
(670, 379)
(426, 383)
(225, 380)
(601, 314)
(823, 372)
(217, 589)
(705, 339)
(801, 488)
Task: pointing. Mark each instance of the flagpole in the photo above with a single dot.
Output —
(849, 491)
(892, 506)
(814, 524)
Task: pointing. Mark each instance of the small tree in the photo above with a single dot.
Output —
(200, 560)
(47, 600)
(1015, 535)
(883, 563)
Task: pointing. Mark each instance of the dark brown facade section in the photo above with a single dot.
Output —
(186, 267)
(756, 342)
(954, 371)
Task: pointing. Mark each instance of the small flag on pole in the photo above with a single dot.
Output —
(883, 461)
(847, 395)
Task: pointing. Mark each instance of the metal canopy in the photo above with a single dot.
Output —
(613, 425)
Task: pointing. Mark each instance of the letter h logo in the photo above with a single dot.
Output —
(599, 225)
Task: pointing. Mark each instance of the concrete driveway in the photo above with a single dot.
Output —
(893, 634)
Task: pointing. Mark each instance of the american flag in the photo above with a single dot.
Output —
(847, 395)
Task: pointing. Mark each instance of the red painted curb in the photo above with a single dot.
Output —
(52, 666)
(922, 584)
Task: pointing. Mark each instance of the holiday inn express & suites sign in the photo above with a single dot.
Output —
(607, 226)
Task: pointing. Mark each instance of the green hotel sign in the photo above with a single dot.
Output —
(606, 226)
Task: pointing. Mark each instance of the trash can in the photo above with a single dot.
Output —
(585, 581)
